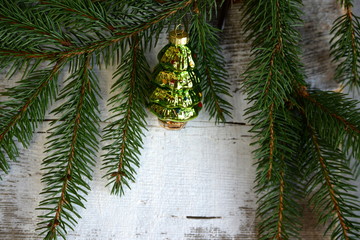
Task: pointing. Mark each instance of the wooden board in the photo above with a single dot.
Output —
(193, 184)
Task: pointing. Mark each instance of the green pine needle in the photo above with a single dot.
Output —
(128, 123)
(270, 82)
(210, 65)
(328, 186)
(336, 118)
(25, 109)
(278, 179)
(72, 147)
(345, 47)
(274, 82)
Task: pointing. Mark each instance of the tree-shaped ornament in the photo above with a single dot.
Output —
(177, 97)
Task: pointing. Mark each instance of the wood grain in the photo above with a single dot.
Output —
(193, 184)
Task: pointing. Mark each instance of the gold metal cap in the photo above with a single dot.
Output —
(170, 125)
(178, 37)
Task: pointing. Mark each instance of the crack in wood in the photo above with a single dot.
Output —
(203, 217)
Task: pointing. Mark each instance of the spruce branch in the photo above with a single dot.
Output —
(276, 170)
(270, 77)
(72, 146)
(33, 24)
(26, 31)
(21, 114)
(96, 45)
(128, 121)
(270, 82)
(85, 14)
(210, 65)
(336, 118)
(278, 208)
(329, 189)
(345, 47)
(276, 67)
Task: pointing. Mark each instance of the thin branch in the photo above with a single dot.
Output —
(354, 62)
(328, 181)
(66, 8)
(97, 45)
(28, 103)
(210, 66)
(67, 178)
(276, 50)
(33, 27)
(272, 140)
(345, 47)
(281, 208)
(128, 114)
(305, 94)
(27, 54)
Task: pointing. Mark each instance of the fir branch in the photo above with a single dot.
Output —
(336, 119)
(128, 122)
(329, 188)
(27, 29)
(73, 145)
(84, 11)
(210, 65)
(18, 20)
(26, 34)
(97, 45)
(345, 47)
(321, 99)
(277, 168)
(21, 114)
(276, 207)
(270, 82)
(271, 76)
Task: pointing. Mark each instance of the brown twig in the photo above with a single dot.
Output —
(27, 54)
(277, 49)
(281, 208)
(272, 141)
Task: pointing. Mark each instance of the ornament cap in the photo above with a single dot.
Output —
(178, 37)
(170, 125)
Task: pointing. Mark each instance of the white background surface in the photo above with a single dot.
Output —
(204, 171)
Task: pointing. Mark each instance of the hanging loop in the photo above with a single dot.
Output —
(179, 36)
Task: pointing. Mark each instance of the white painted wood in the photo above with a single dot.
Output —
(193, 184)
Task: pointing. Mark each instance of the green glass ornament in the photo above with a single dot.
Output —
(177, 97)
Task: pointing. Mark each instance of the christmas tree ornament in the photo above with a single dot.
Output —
(176, 98)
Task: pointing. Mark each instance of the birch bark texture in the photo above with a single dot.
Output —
(194, 184)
